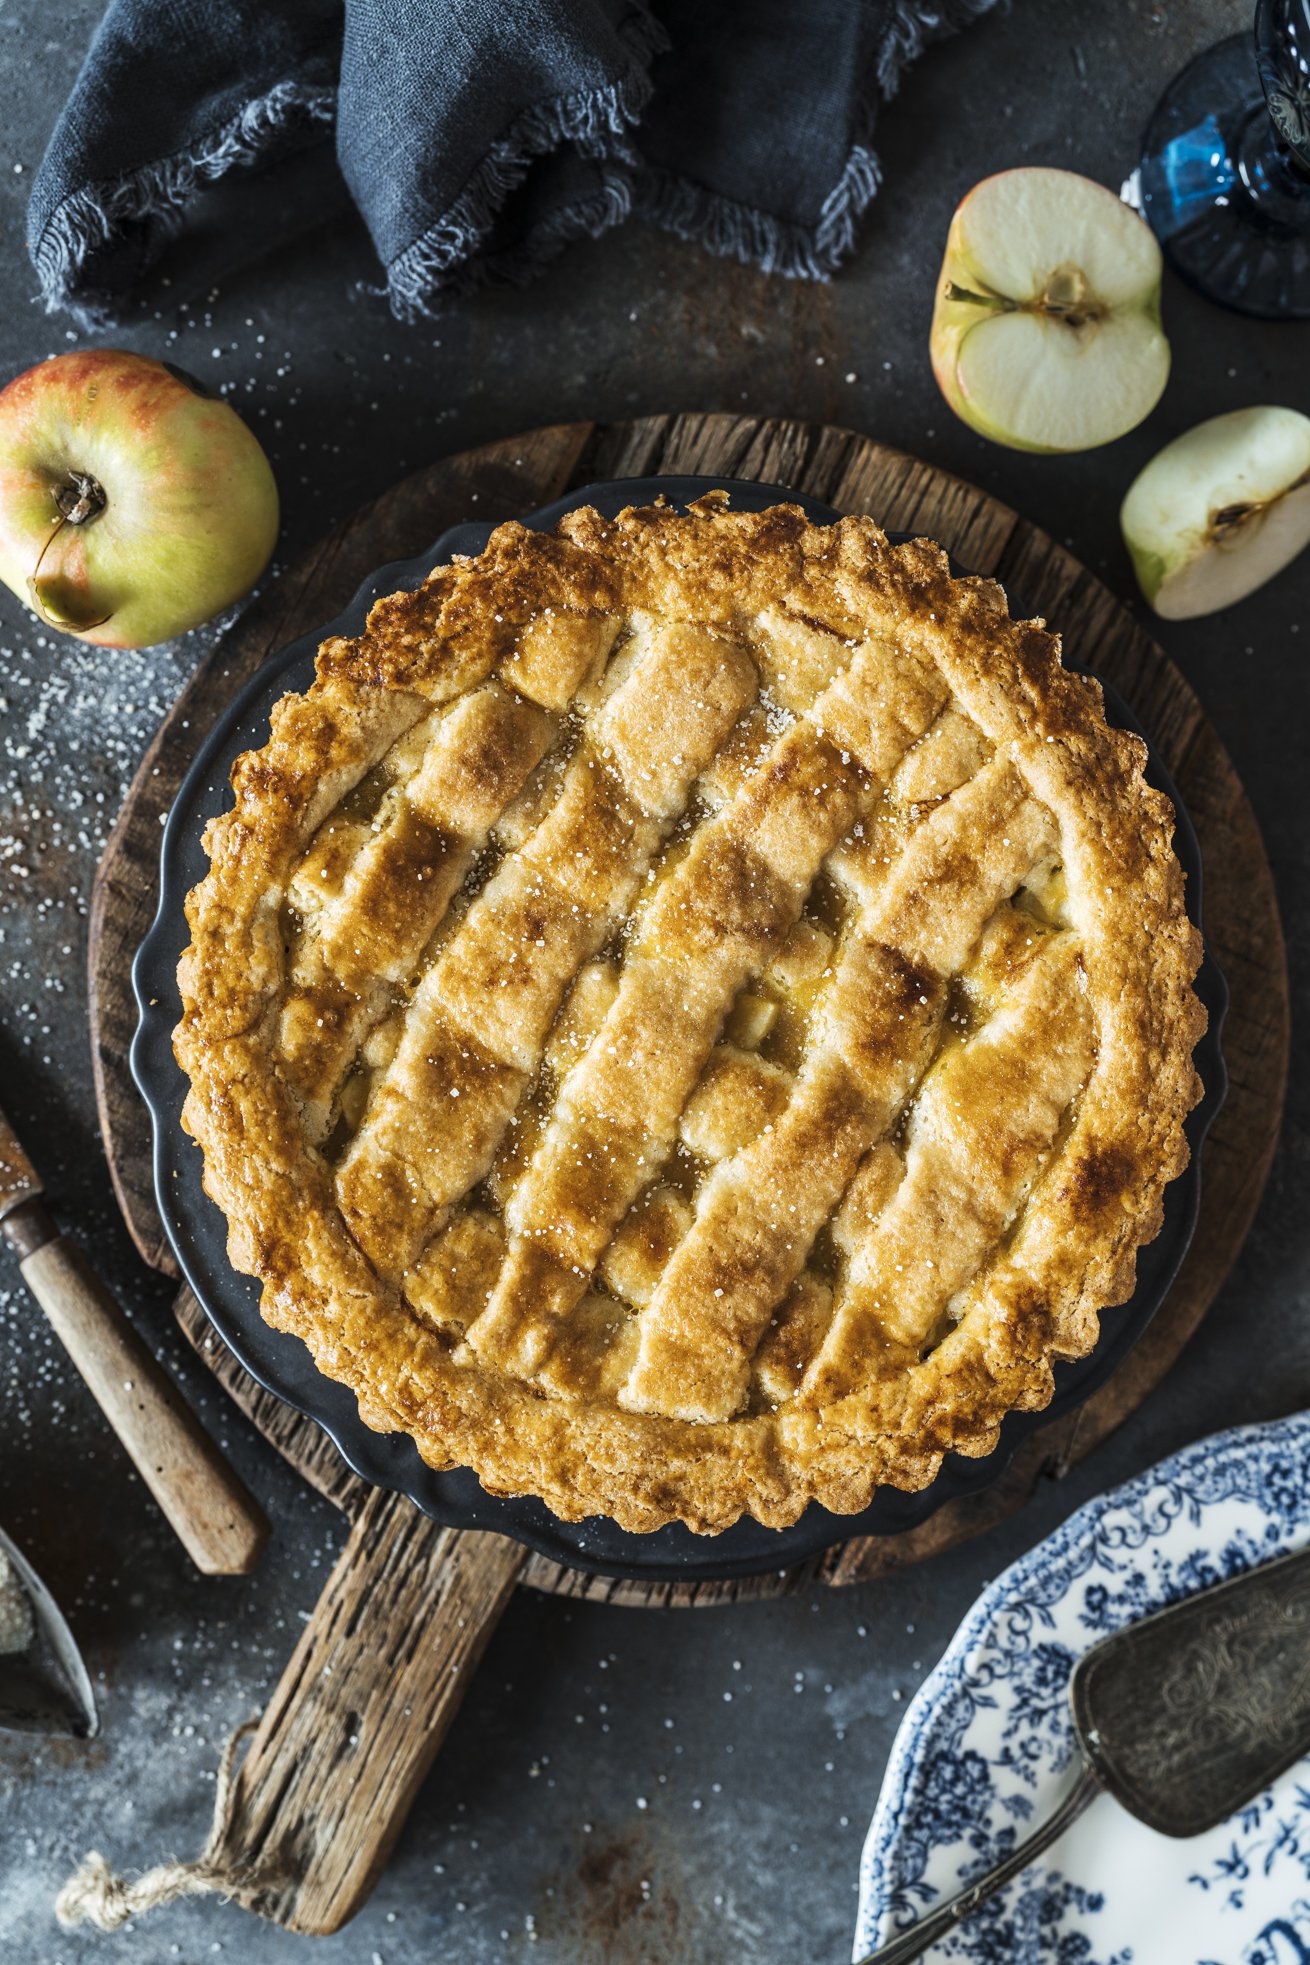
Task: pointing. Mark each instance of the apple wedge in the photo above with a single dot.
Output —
(1220, 510)
(1046, 332)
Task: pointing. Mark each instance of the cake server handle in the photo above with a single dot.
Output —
(219, 1523)
(942, 1921)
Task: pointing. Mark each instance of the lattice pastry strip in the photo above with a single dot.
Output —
(795, 1332)
(873, 1034)
(717, 918)
(476, 1026)
(978, 1137)
(691, 1014)
(364, 933)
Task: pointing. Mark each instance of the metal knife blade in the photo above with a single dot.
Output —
(44, 1686)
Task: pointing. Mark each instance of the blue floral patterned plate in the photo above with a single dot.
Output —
(985, 1749)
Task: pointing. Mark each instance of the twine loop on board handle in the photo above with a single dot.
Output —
(95, 1895)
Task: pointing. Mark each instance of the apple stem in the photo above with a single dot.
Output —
(972, 299)
(68, 623)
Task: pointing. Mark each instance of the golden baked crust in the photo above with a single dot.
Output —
(692, 1014)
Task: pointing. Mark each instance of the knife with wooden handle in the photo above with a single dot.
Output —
(219, 1523)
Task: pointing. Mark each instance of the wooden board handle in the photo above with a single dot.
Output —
(219, 1523)
(359, 1714)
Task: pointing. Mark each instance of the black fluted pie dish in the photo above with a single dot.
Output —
(198, 1230)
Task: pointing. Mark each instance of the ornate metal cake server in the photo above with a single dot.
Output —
(1182, 1717)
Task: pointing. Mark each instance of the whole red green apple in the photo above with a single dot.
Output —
(133, 506)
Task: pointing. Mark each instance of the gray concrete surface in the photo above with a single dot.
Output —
(620, 1785)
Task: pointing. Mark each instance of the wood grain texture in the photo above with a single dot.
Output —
(205, 1502)
(360, 1712)
(853, 473)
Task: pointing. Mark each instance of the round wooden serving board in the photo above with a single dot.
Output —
(380, 1668)
(854, 474)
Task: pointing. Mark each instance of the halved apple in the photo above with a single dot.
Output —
(1220, 510)
(1046, 332)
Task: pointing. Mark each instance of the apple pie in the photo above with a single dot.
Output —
(691, 1014)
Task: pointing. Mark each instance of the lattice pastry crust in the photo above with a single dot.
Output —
(691, 1014)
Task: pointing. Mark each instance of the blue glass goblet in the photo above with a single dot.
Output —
(1224, 180)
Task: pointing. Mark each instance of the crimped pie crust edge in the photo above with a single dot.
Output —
(1101, 1200)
